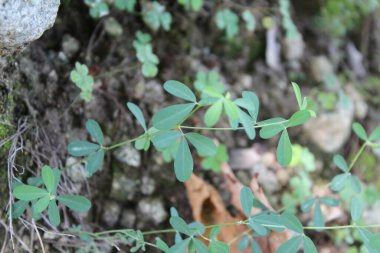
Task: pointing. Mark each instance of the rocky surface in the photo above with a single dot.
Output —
(22, 22)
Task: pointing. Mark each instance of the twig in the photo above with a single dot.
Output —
(38, 235)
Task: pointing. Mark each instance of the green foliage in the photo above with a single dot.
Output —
(249, 19)
(82, 80)
(94, 151)
(46, 198)
(194, 5)
(155, 16)
(287, 22)
(145, 55)
(227, 20)
(337, 22)
(98, 8)
(128, 5)
(215, 161)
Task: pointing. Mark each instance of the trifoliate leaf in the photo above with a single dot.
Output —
(82, 80)
(249, 19)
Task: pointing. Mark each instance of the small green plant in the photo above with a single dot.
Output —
(83, 81)
(287, 22)
(145, 55)
(194, 5)
(127, 5)
(46, 197)
(98, 8)
(155, 16)
(227, 20)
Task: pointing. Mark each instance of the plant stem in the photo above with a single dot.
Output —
(358, 155)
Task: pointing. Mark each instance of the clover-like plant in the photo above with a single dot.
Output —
(80, 76)
(46, 197)
(145, 55)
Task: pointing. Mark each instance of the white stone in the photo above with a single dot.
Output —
(23, 21)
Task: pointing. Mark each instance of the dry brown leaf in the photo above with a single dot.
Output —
(209, 209)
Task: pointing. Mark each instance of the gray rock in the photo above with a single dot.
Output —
(320, 68)
(148, 185)
(128, 218)
(123, 188)
(128, 155)
(70, 45)
(23, 21)
(111, 213)
(329, 131)
(76, 170)
(152, 209)
(294, 48)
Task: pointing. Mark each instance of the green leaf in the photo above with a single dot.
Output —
(95, 131)
(161, 245)
(97, 8)
(254, 103)
(246, 200)
(194, 5)
(359, 130)
(232, 112)
(199, 246)
(319, 220)
(299, 118)
(228, 21)
(53, 213)
(57, 178)
(366, 236)
(308, 245)
(164, 140)
(270, 218)
(180, 247)
(374, 241)
(247, 123)
(257, 227)
(307, 205)
(291, 222)
(255, 248)
(180, 90)
(18, 208)
(219, 247)
(338, 182)
(48, 178)
(214, 232)
(180, 225)
(28, 192)
(290, 246)
(268, 132)
(155, 16)
(249, 19)
(42, 204)
(136, 111)
(197, 228)
(329, 201)
(357, 208)
(243, 243)
(375, 135)
(172, 115)
(75, 202)
(95, 162)
(284, 149)
(128, 5)
(298, 94)
(341, 163)
(204, 145)
(213, 113)
(355, 183)
(214, 162)
(145, 55)
(83, 81)
(183, 163)
(82, 148)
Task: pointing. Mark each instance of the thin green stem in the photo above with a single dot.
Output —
(358, 155)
